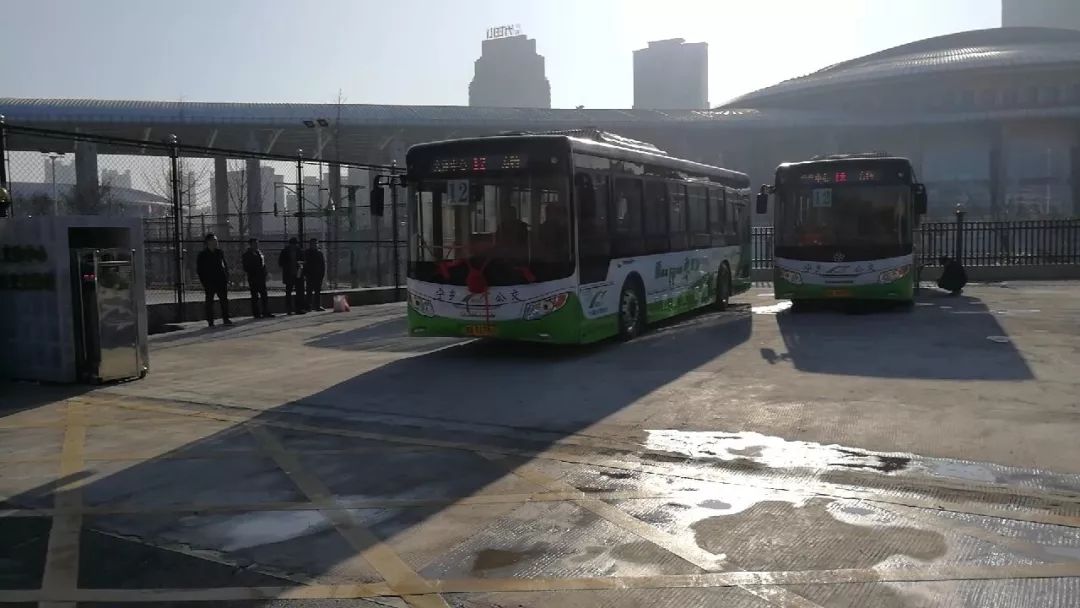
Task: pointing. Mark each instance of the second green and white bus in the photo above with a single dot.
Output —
(843, 228)
(568, 237)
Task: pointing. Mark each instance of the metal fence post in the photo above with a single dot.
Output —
(4, 206)
(959, 254)
(394, 228)
(3, 153)
(178, 243)
(300, 195)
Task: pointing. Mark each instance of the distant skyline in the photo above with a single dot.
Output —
(421, 52)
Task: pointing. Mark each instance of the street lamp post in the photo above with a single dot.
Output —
(52, 156)
(300, 195)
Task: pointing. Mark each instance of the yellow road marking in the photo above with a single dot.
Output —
(62, 556)
(95, 422)
(901, 574)
(371, 548)
(944, 525)
(696, 556)
(704, 560)
(805, 487)
(344, 503)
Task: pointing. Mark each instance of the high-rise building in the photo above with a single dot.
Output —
(65, 169)
(1063, 14)
(116, 179)
(510, 74)
(672, 75)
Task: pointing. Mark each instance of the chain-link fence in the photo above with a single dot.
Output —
(185, 192)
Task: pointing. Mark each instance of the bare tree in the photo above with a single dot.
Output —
(194, 183)
(97, 201)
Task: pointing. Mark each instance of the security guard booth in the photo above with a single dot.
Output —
(72, 299)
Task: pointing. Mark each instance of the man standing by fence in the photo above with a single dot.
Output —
(213, 273)
(255, 267)
(314, 273)
(290, 261)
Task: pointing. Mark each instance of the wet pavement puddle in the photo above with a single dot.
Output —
(768, 451)
(750, 452)
(771, 309)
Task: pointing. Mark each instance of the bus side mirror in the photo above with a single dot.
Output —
(378, 197)
(919, 195)
(762, 202)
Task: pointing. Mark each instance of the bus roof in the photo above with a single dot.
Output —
(607, 145)
(839, 159)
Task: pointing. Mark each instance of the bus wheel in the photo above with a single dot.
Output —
(631, 310)
(723, 287)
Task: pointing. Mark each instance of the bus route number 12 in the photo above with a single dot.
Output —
(457, 192)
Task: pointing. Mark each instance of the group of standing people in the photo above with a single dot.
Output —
(302, 271)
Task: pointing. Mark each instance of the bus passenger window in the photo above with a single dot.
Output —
(717, 215)
(628, 206)
(697, 215)
(594, 243)
(677, 225)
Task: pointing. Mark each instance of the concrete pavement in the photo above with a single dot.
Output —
(755, 457)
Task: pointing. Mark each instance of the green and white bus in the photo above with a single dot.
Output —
(568, 237)
(843, 228)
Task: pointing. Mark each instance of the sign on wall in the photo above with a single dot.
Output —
(503, 31)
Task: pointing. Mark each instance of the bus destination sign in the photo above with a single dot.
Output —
(854, 176)
(479, 164)
(503, 31)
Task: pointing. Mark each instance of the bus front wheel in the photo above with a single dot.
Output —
(723, 287)
(631, 310)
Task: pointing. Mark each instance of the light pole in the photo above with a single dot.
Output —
(52, 156)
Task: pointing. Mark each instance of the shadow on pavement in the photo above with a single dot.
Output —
(513, 395)
(942, 338)
(18, 396)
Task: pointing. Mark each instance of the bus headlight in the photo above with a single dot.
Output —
(894, 274)
(542, 308)
(791, 276)
(421, 305)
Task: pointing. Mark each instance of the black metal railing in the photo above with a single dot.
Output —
(975, 243)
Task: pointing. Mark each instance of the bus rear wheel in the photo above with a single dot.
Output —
(723, 287)
(631, 310)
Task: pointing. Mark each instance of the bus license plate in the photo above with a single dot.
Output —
(480, 331)
(838, 293)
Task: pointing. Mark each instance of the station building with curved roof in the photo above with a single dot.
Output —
(990, 118)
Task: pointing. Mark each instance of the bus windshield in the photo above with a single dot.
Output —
(515, 229)
(860, 222)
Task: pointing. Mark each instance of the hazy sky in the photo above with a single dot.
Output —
(422, 51)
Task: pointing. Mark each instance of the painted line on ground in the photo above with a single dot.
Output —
(704, 560)
(809, 486)
(700, 558)
(371, 548)
(344, 503)
(1015, 543)
(900, 574)
(62, 555)
(94, 422)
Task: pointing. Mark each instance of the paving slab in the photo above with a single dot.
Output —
(752, 457)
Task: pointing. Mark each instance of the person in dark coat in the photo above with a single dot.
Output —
(953, 276)
(291, 261)
(314, 273)
(213, 273)
(254, 264)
